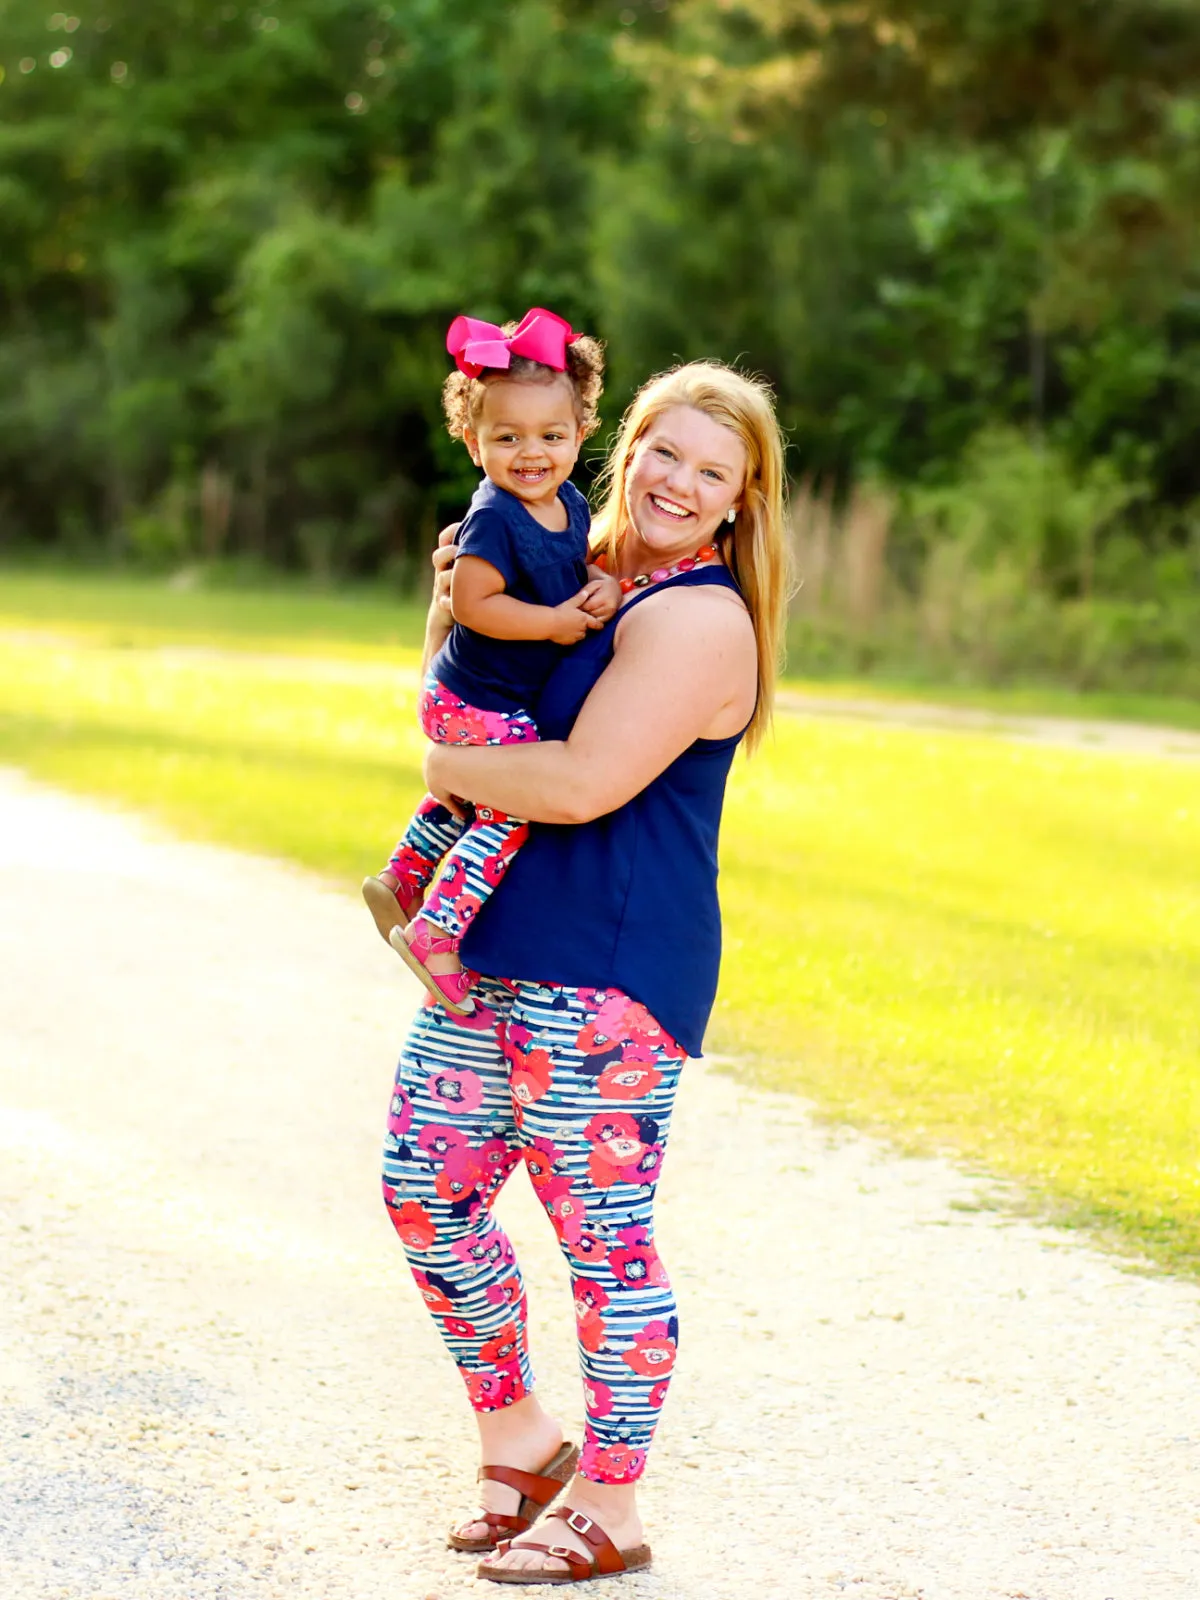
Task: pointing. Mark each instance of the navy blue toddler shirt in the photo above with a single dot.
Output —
(539, 567)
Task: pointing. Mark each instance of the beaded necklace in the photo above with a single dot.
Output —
(706, 552)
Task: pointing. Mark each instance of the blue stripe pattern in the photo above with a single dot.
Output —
(580, 1085)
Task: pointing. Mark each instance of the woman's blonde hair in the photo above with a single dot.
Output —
(754, 546)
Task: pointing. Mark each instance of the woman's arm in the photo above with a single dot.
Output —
(684, 662)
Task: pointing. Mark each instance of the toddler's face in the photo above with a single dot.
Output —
(526, 437)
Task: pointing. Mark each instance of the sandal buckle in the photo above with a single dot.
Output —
(561, 1551)
(578, 1523)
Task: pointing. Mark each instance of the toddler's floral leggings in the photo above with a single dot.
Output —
(579, 1084)
(476, 853)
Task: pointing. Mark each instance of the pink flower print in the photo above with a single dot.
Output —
(597, 1397)
(478, 1254)
(510, 1292)
(653, 1352)
(629, 1079)
(659, 1392)
(456, 1091)
(459, 1177)
(567, 1212)
(614, 1463)
(483, 1020)
(504, 1347)
(400, 1113)
(414, 1225)
(458, 1328)
(540, 1158)
(493, 1156)
(637, 1263)
(491, 1391)
(437, 1140)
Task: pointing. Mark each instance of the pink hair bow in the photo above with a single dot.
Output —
(541, 336)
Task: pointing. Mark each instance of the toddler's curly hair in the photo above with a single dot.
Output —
(462, 397)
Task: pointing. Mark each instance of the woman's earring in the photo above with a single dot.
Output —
(731, 515)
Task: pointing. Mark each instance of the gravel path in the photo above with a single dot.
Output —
(1075, 733)
(216, 1381)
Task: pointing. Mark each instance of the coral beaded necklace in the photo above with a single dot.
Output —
(706, 552)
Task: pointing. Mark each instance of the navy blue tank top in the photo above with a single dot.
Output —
(629, 900)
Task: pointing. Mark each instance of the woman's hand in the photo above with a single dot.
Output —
(440, 618)
(443, 565)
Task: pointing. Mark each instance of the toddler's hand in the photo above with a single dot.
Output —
(569, 621)
(603, 598)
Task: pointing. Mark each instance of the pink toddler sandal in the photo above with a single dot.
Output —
(414, 945)
(537, 1489)
(391, 908)
(606, 1560)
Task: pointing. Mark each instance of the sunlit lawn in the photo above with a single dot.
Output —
(979, 945)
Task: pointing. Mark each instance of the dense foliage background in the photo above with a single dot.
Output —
(960, 236)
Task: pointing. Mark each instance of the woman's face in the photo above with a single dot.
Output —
(685, 473)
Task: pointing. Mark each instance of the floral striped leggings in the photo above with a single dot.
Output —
(579, 1084)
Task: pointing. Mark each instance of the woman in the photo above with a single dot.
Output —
(598, 965)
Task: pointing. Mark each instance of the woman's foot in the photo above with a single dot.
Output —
(389, 904)
(433, 955)
(522, 1436)
(613, 1508)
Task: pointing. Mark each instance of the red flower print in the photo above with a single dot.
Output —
(629, 1079)
(611, 1125)
(637, 1262)
(588, 1247)
(411, 868)
(653, 1352)
(540, 1157)
(400, 1113)
(590, 1300)
(530, 1077)
(491, 1391)
(503, 1348)
(459, 1328)
(614, 1463)
(434, 1297)
(456, 1091)
(597, 1397)
(659, 1392)
(466, 908)
(437, 1139)
(493, 1155)
(414, 1225)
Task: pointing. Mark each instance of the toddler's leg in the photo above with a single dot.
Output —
(476, 863)
(394, 895)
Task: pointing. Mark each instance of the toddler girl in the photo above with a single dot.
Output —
(522, 401)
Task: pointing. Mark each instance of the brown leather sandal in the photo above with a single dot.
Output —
(605, 1562)
(537, 1489)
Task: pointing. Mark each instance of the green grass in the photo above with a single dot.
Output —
(120, 609)
(978, 946)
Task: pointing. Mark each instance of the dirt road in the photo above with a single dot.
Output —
(216, 1380)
